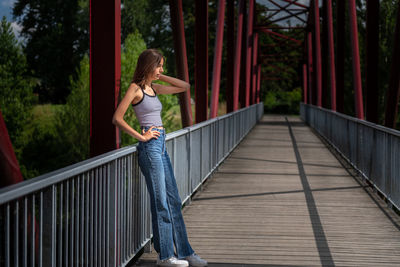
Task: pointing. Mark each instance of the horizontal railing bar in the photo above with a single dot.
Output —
(359, 146)
(364, 122)
(16, 191)
(97, 211)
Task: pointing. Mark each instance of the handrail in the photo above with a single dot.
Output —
(372, 149)
(96, 212)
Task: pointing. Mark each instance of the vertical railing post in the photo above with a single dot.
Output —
(112, 213)
(356, 60)
(49, 226)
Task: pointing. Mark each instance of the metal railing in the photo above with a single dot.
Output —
(96, 212)
(372, 149)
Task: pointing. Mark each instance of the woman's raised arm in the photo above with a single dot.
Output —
(176, 85)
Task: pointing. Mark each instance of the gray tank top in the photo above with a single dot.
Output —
(148, 110)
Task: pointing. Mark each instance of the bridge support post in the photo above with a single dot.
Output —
(216, 75)
(331, 48)
(305, 83)
(230, 43)
(250, 47)
(254, 69)
(178, 31)
(258, 83)
(105, 74)
(356, 60)
(310, 68)
(9, 167)
(201, 59)
(317, 48)
(238, 49)
(340, 45)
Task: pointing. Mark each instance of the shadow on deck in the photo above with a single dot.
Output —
(283, 198)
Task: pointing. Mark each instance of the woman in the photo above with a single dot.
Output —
(168, 226)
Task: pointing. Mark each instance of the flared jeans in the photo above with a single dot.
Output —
(167, 221)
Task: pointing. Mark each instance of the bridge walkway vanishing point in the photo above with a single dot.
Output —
(282, 198)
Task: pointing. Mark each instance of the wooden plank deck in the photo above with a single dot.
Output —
(282, 198)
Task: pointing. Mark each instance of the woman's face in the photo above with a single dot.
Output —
(155, 75)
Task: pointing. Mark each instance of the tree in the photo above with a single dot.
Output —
(56, 34)
(16, 97)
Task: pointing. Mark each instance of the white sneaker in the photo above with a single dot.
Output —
(172, 262)
(195, 260)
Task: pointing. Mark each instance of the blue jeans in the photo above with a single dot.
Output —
(167, 220)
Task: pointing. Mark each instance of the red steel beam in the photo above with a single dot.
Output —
(331, 48)
(393, 93)
(258, 27)
(216, 78)
(9, 168)
(284, 9)
(310, 67)
(289, 16)
(356, 60)
(238, 49)
(287, 10)
(281, 36)
(230, 45)
(105, 74)
(254, 68)
(317, 47)
(295, 3)
(372, 61)
(250, 20)
(178, 32)
(340, 53)
(243, 66)
(258, 83)
(305, 83)
(201, 59)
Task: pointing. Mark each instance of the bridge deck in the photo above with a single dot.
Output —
(283, 199)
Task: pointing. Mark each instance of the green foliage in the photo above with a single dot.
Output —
(73, 123)
(56, 34)
(286, 102)
(43, 147)
(279, 68)
(59, 134)
(16, 97)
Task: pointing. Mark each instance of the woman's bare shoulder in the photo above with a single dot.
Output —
(133, 89)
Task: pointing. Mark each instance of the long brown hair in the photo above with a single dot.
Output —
(148, 60)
